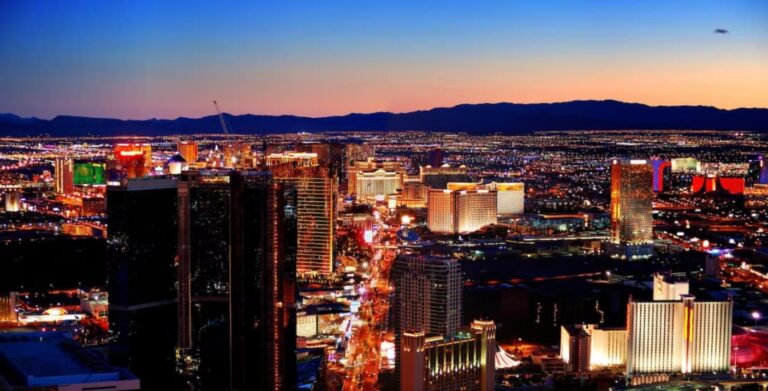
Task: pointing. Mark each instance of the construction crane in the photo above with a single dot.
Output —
(221, 118)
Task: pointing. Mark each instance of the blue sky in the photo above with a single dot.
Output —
(141, 59)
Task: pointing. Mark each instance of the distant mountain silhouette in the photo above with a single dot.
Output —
(508, 118)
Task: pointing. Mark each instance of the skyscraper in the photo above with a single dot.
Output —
(631, 209)
(262, 305)
(142, 278)
(460, 211)
(462, 362)
(510, 197)
(187, 150)
(315, 201)
(64, 175)
(427, 296)
(376, 184)
(683, 336)
(237, 252)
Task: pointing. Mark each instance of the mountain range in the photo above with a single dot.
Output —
(506, 118)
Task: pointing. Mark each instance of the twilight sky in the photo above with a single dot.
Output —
(164, 59)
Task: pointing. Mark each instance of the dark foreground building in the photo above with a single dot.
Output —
(231, 240)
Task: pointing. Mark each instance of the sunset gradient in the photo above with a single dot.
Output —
(144, 59)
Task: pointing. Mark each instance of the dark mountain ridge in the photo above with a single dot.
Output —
(507, 118)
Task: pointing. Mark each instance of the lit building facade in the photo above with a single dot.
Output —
(667, 287)
(64, 175)
(679, 336)
(373, 185)
(631, 209)
(12, 201)
(315, 199)
(413, 194)
(462, 362)
(301, 159)
(510, 197)
(460, 211)
(371, 165)
(188, 150)
(427, 296)
(587, 347)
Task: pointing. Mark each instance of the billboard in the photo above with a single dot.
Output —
(89, 173)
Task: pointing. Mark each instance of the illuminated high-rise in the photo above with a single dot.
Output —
(370, 165)
(461, 362)
(460, 211)
(188, 150)
(678, 336)
(510, 197)
(428, 296)
(376, 184)
(12, 201)
(315, 203)
(588, 347)
(631, 209)
(64, 175)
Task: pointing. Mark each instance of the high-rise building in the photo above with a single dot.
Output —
(12, 201)
(370, 165)
(438, 177)
(142, 278)
(329, 155)
(587, 347)
(129, 160)
(315, 203)
(668, 287)
(376, 184)
(427, 296)
(631, 209)
(462, 362)
(236, 270)
(64, 175)
(575, 348)
(188, 150)
(510, 197)
(678, 336)
(460, 211)
(662, 174)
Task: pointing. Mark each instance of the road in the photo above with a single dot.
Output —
(363, 350)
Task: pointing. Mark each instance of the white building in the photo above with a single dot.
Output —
(678, 336)
(376, 184)
(510, 197)
(666, 287)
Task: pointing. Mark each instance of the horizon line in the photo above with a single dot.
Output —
(389, 112)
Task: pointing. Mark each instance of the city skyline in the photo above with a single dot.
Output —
(147, 60)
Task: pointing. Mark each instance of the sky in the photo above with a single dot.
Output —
(138, 59)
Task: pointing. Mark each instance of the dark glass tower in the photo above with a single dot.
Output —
(237, 247)
(142, 278)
